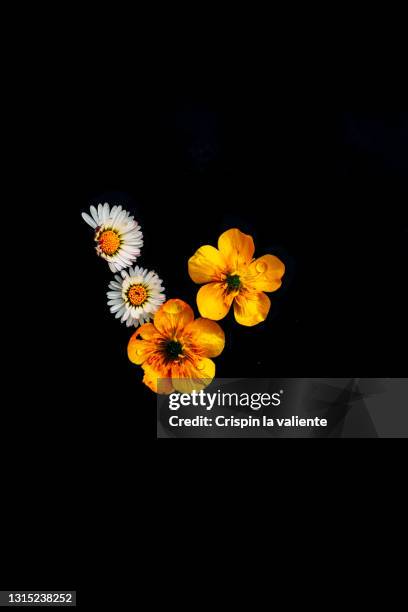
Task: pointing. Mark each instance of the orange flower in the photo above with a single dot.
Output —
(232, 275)
(174, 351)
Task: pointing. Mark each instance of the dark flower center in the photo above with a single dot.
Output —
(233, 282)
(173, 349)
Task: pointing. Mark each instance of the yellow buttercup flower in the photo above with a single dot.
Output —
(174, 351)
(232, 275)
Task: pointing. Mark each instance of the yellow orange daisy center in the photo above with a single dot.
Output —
(109, 242)
(137, 294)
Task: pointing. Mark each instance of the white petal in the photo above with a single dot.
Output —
(88, 220)
(133, 242)
(116, 307)
(126, 314)
(120, 218)
(115, 215)
(124, 257)
(95, 215)
(105, 212)
(132, 227)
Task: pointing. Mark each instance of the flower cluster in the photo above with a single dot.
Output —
(175, 350)
(135, 294)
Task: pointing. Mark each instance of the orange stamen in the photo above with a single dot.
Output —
(137, 294)
(109, 242)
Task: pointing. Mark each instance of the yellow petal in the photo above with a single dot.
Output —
(238, 248)
(155, 380)
(265, 273)
(251, 308)
(147, 331)
(140, 345)
(172, 317)
(213, 301)
(189, 377)
(206, 335)
(206, 265)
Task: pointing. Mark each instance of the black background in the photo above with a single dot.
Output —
(324, 190)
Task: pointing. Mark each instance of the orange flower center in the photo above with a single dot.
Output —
(109, 242)
(137, 294)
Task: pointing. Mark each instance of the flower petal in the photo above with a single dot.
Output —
(206, 335)
(172, 317)
(88, 219)
(238, 248)
(155, 379)
(147, 331)
(265, 273)
(214, 301)
(140, 345)
(206, 265)
(251, 308)
(187, 377)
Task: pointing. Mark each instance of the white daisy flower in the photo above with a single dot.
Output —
(135, 295)
(118, 235)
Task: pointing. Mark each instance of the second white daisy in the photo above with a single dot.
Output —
(135, 295)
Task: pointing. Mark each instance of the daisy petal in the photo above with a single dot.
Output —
(89, 220)
(95, 215)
